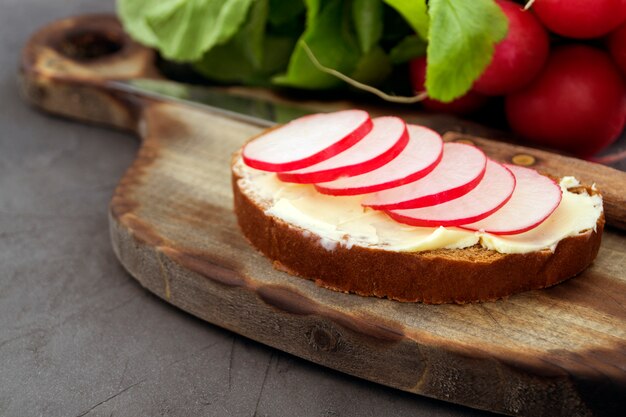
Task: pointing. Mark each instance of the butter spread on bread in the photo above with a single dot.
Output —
(342, 244)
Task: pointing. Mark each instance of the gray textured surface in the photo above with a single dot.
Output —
(78, 336)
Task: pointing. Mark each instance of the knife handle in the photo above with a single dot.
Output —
(67, 67)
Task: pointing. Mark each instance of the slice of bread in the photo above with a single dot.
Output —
(438, 276)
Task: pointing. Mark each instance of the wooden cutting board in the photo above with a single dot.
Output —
(560, 351)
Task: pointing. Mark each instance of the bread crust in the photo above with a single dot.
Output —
(433, 277)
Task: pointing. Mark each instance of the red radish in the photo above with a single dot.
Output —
(493, 192)
(535, 197)
(307, 140)
(460, 170)
(420, 156)
(466, 104)
(383, 143)
(580, 19)
(519, 57)
(576, 104)
(617, 46)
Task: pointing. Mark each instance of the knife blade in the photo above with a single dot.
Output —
(259, 111)
(265, 112)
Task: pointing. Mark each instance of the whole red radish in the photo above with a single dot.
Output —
(580, 19)
(519, 57)
(576, 104)
(466, 104)
(617, 46)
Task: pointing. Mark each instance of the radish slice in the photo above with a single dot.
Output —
(307, 140)
(383, 143)
(420, 156)
(460, 170)
(534, 199)
(493, 192)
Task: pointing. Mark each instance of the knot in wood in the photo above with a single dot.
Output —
(465, 141)
(323, 338)
(523, 160)
(84, 44)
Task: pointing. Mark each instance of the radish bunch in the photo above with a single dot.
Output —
(405, 171)
(562, 70)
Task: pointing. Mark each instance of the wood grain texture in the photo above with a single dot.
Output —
(560, 351)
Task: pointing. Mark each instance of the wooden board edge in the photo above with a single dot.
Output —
(337, 341)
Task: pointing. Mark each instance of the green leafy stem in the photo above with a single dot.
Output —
(323, 44)
(393, 99)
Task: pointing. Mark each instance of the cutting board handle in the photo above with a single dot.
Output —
(67, 66)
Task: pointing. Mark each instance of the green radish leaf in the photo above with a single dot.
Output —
(252, 33)
(251, 56)
(368, 22)
(329, 36)
(228, 63)
(461, 42)
(281, 11)
(185, 29)
(313, 10)
(373, 67)
(415, 12)
(357, 84)
(133, 16)
(408, 48)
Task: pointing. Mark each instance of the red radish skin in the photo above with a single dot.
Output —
(417, 159)
(460, 170)
(534, 199)
(388, 137)
(580, 19)
(307, 141)
(467, 104)
(576, 104)
(519, 57)
(617, 46)
(493, 192)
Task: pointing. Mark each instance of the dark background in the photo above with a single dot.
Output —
(78, 336)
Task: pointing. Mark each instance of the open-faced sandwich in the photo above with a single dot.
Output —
(380, 208)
